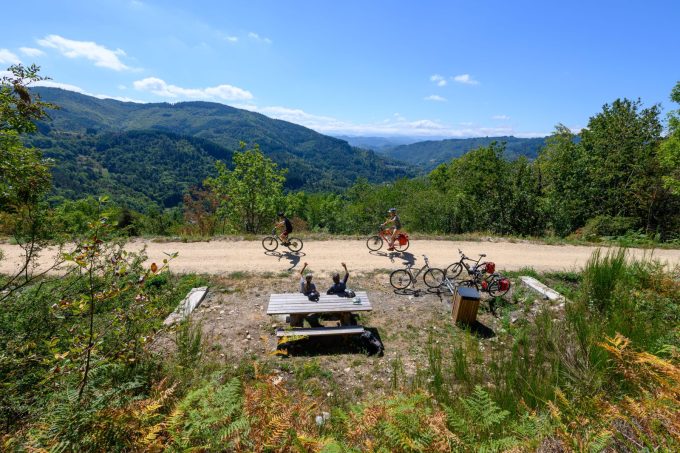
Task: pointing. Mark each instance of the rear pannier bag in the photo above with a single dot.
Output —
(504, 284)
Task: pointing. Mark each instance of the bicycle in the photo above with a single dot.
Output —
(403, 278)
(375, 243)
(494, 284)
(271, 243)
(455, 269)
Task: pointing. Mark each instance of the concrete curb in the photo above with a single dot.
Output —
(189, 304)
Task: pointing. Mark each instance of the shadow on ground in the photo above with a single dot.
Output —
(392, 256)
(292, 257)
(368, 343)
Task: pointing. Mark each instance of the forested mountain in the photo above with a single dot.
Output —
(429, 154)
(155, 151)
(380, 144)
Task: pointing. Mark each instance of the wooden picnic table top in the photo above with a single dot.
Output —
(292, 303)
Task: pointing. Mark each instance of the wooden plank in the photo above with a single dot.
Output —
(320, 331)
(319, 304)
(278, 298)
(297, 295)
(299, 303)
(317, 309)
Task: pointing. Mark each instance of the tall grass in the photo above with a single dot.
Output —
(601, 276)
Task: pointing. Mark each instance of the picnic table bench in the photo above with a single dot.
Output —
(298, 306)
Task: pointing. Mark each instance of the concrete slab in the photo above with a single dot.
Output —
(542, 289)
(188, 305)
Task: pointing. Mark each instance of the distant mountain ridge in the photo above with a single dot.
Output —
(83, 132)
(428, 154)
(377, 143)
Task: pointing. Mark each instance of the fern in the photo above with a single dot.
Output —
(210, 417)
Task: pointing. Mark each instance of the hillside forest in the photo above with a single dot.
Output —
(618, 177)
(86, 363)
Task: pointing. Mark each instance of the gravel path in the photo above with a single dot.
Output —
(223, 256)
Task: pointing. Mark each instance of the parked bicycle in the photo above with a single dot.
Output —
(471, 266)
(271, 243)
(494, 284)
(375, 243)
(403, 278)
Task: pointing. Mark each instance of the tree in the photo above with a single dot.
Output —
(669, 152)
(562, 167)
(252, 192)
(24, 174)
(620, 150)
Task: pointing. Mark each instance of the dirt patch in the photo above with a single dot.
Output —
(236, 328)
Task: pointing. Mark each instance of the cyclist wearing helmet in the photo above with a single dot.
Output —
(396, 225)
(285, 226)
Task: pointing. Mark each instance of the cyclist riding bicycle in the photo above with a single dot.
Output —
(286, 226)
(395, 228)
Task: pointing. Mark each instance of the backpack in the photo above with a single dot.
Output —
(372, 343)
(349, 293)
(313, 296)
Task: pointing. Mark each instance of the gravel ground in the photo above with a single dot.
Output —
(221, 257)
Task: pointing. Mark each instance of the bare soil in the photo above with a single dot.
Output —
(236, 329)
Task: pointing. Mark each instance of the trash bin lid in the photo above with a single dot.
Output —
(468, 293)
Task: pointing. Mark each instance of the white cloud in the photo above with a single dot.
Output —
(434, 97)
(465, 79)
(396, 125)
(100, 55)
(63, 86)
(500, 117)
(31, 51)
(7, 57)
(256, 37)
(232, 38)
(220, 92)
(438, 79)
(77, 89)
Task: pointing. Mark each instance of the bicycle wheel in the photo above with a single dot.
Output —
(400, 279)
(453, 271)
(399, 247)
(374, 243)
(434, 277)
(495, 290)
(270, 243)
(295, 244)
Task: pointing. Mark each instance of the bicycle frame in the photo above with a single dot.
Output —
(422, 270)
(464, 261)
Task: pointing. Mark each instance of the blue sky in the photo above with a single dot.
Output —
(380, 68)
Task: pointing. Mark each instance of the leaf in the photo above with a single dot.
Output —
(154, 268)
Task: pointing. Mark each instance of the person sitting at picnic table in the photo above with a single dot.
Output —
(308, 288)
(339, 287)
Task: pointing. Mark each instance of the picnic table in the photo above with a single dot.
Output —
(298, 306)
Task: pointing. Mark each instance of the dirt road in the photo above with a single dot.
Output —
(223, 256)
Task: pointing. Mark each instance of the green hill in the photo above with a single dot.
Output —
(428, 154)
(155, 151)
